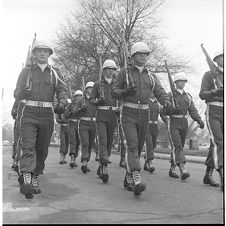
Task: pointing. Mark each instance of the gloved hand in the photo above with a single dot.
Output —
(201, 124)
(129, 91)
(14, 113)
(59, 108)
(100, 102)
(217, 92)
(25, 93)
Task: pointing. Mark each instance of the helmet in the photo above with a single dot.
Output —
(180, 77)
(89, 84)
(109, 64)
(217, 53)
(77, 93)
(139, 47)
(42, 44)
(69, 101)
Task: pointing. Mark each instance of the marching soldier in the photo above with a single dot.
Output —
(36, 87)
(106, 120)
(122, 147)
(135, 111)
(213, 95)
(64, 137)
(73, 117)
(178, 126)
(152, 134)
(87, 126)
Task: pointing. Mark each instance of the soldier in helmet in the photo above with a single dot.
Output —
(73, 117)
(135, 111)
(64, 135)
(87, 125)
(178, 126)
(106, 120)
(212, 92)
(36, 87)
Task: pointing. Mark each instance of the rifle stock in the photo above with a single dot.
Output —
(213, 68)
(127, 62)
(83, 91)
(172, 88)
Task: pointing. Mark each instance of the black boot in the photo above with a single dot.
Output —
(26, 187)
(72, 163)
(98, 170)
(35, 184)
(84, 167)
(149, 166)
(208, 178)
(172, 172)
(138, 185)
(128, 181)
(104, 173)
(183, 172)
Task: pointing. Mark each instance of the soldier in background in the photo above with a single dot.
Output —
(73, 117)
(64, 136)
(178, 126)
(213, 95)
(106, 120)
(36, 87)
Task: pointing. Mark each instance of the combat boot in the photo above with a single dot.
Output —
(184, 174)
(61, 158)
(26, 187)
(104, 173)
(35, 184)
(84, 166)
(122, 162)
(172, 171)
(208, 178)
(149, 166)
(98, 170)
(64, 161)
(128, 181)
(221, 173)
(138, 185)
(72, 163)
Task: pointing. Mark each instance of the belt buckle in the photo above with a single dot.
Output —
(40, 104)
(140, 107)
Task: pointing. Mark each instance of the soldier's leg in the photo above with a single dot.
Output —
(66, 134)
(92, 136)
(122, 147)
(62, 145)
(77, 142)
(72, 138)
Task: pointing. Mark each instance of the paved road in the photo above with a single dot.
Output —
(69, 196)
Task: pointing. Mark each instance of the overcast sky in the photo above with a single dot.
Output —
(186, 23)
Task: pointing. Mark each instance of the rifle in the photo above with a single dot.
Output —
(213, 69)
(172, 88)
(70, 91)
(127, 62)
(83, 92)
(29, 62)
(101, 80)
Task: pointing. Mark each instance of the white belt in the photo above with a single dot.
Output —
(216, 103)
(179, 116)
(88, 118)
(137, 106)
(153, 122)
(37, 103)
(64, 124)
(73, 120)
(107, 108)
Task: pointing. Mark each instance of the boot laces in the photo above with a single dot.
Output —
(35, 182)
(129, 178)
(136, 177)
(27, 177)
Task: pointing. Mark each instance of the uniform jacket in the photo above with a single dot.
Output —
(90, 110)
(187, 105)
(147, 85)
(207, 85)
(44, 84)
(60, 118)
(109, 100)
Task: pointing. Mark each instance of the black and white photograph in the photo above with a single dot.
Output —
(112, 112)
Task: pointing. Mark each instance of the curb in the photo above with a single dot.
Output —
(189, 158)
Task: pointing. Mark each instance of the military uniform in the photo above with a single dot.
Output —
(178, 128)
(135, 115)
(64, 136)
(215, 124)
(37, 117)
(87, 129)
(74, 139)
